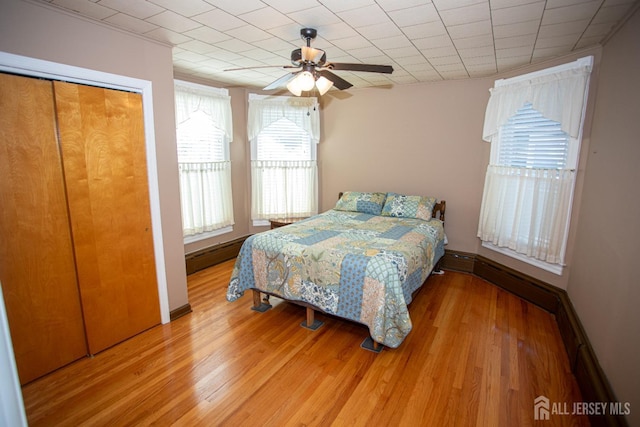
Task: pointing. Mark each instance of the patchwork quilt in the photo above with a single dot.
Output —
(354, 265)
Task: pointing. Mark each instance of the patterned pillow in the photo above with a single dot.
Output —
(402, 206)
(355, 201)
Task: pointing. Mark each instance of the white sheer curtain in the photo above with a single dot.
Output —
(527, 209)
(283, 187)
(204, 130)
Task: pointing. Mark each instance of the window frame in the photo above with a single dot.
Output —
(573, 159)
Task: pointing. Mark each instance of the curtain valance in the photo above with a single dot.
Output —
(263, 111)
(559, 96)
(215, 104)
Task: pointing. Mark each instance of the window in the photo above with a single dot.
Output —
(203, 129)
(283, 132)
(534, 124)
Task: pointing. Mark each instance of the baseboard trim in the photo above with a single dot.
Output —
(213, 255)
(179, 312)
(591, 379)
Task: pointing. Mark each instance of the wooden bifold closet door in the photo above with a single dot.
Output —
(78, 265)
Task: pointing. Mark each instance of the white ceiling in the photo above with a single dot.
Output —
(423, 40)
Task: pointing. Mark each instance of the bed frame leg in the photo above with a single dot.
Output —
(311, 322)
(371, 345)
(260, 305)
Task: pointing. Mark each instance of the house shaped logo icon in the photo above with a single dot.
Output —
(541, 408)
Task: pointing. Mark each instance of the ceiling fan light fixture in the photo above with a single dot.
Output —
(304, 81)
(323, 84)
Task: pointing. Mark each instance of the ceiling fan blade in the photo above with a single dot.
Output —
(387, 69)
(281, 81)
(338, 82)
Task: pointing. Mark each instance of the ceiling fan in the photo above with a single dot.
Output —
(315, 71)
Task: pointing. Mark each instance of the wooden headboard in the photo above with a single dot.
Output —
(438, 209)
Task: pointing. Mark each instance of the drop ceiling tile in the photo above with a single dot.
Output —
(513, 52)
(258, 54)
(219, 20)
(588, 41)
(516, 41)
(315, 17)
(411, 60)
(429, 29)
(564, 41)
(610, 14)
(236, 7)
(288, 6)
(480, 61)
(484, 51)
(289, 32)
(500, 4)
(392, 42)
(173, 21)
(391, 5)
(138, 8)
(576, 12)
(130, 23)
(266, 18)
(274, 44)
(466, 15)
(598, 29)
(516, 30)
(512, 62)
(86, 8)
(198, 47)
(454, 4)
(517, 14)
(365, 52)
(222, 55)
(433, 42)
(380, 31)
(445, 61)
(549, 52)
(234, 45)
(402, 52)
(563, 29)
(422, 67)
(207, 35)
(248, 33)
(354, 42)
(415, 15)
(186, 55)
(440, 51)
(366, 15)
(342, 5)
(474, 42)
(186, 8)
(167, 36)
(475, 29)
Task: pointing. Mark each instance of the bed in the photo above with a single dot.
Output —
(363, 261)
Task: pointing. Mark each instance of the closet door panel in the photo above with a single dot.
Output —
(37, 268)
(103, 153)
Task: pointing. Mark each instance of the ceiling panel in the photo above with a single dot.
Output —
(423, 40)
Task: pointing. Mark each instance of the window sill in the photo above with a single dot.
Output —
(207, 235)
(552, 268)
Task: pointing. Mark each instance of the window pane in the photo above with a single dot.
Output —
(199, 140)
(283, 140)
(530, 140)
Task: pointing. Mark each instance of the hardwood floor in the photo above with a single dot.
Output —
(477, 355)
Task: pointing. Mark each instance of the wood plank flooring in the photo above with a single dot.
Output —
(477, 356)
